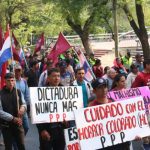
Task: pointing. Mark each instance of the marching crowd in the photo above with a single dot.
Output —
(15, 97)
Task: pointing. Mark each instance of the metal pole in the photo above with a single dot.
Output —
(31, 39)
(115, 27)
(12, 59)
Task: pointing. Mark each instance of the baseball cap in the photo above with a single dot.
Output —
(9, 75)
(17, 67)
(99, 82)
(62, 64)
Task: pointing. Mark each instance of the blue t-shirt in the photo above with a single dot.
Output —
(85, 95)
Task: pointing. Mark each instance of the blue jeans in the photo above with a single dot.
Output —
(25, 123)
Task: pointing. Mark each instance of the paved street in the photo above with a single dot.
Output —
(31, 140)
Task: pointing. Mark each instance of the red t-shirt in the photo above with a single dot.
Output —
(95, 103)
(141, 80)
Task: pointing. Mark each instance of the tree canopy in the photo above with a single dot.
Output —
(29, 18)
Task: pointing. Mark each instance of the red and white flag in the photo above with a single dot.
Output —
(89, 75)
(5, 54)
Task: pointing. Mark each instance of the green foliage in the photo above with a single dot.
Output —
(80, 11)
(32, 17)
(28, 17)
(131, 4)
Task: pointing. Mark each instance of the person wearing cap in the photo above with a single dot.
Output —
(132, 75)
(13, 103)
(43, 76)
(139, 62)
(127, 60)
(100, 89)
(65, 76)
(22, 85)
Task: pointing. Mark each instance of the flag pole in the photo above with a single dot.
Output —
(12, 59)
(24, 55)
(86, 61)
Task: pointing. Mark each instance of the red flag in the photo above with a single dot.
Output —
(15, 41)
(4, 66)
(15, 48)
(60, 47)
(39, 43)
(15, 53)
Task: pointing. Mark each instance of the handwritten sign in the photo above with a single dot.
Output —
(71, 138)
(130, 93)
(55, 104)
(109, 124)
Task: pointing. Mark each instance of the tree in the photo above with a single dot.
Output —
(83, 16)
(9, 9)
(139, 25)
(29, 18)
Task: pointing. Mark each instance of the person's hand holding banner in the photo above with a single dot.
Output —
(66, 123)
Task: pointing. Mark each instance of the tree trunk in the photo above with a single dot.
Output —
(139, 29)
(83, 34)
(143, 36)
(145, 46)
(85, 42)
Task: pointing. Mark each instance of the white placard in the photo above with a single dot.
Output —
(55, 104)
(109, 124)
(71, 138)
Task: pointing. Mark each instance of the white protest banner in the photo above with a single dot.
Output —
(55, 104)
(71, 138)
(109, 124)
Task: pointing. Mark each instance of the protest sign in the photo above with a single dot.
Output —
(71, 138)
(55, 104)
(130, 93)
(109, 124)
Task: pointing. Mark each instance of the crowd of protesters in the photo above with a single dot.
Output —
(123, 73)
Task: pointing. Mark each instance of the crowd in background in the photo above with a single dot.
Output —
(123, 73)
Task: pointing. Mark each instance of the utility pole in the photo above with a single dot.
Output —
(115, 27)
